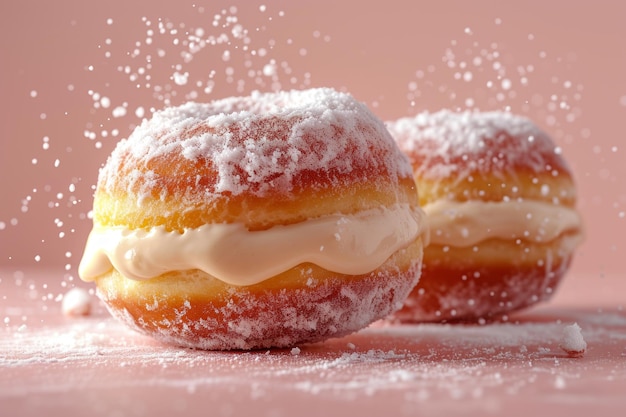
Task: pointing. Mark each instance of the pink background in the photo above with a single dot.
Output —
(399, 57)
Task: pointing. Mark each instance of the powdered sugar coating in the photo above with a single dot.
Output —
(495, 143)
(262, 143)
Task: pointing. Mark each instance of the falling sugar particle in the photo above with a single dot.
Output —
(147, 53)
(495, 85)
(559, 382)
(269, 70)
(119, 111)
(180, 79)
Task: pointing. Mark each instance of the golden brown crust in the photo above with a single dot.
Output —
(525, 185)
(257, 213)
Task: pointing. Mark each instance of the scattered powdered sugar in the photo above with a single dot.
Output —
(164, 61)
(572, 341)
(76, 302)
(427, 366)
(445, 142)
(521, 80)
(258, 143)
(140, 63)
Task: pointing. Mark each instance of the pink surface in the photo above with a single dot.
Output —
(95, 366)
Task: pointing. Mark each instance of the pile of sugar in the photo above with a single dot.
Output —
(572, 341)
(257, 143)
(488, 142)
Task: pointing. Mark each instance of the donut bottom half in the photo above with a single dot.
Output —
(486, 281)
(302, 305)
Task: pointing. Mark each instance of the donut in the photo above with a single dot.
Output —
(500, 202)
(253, 222)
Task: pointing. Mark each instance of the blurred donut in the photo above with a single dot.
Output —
(500, 200)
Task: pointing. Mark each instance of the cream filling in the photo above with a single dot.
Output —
(463, 224)
(347, 244)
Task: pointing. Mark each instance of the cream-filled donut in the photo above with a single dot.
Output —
(500, 203)
(254, 222)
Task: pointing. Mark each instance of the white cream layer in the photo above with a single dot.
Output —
(347, 244)
(462, 224)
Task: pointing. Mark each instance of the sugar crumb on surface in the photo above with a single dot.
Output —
(76, 302)
(572, 341)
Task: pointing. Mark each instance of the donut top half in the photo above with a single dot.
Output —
(261, 160)
(489, 156)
